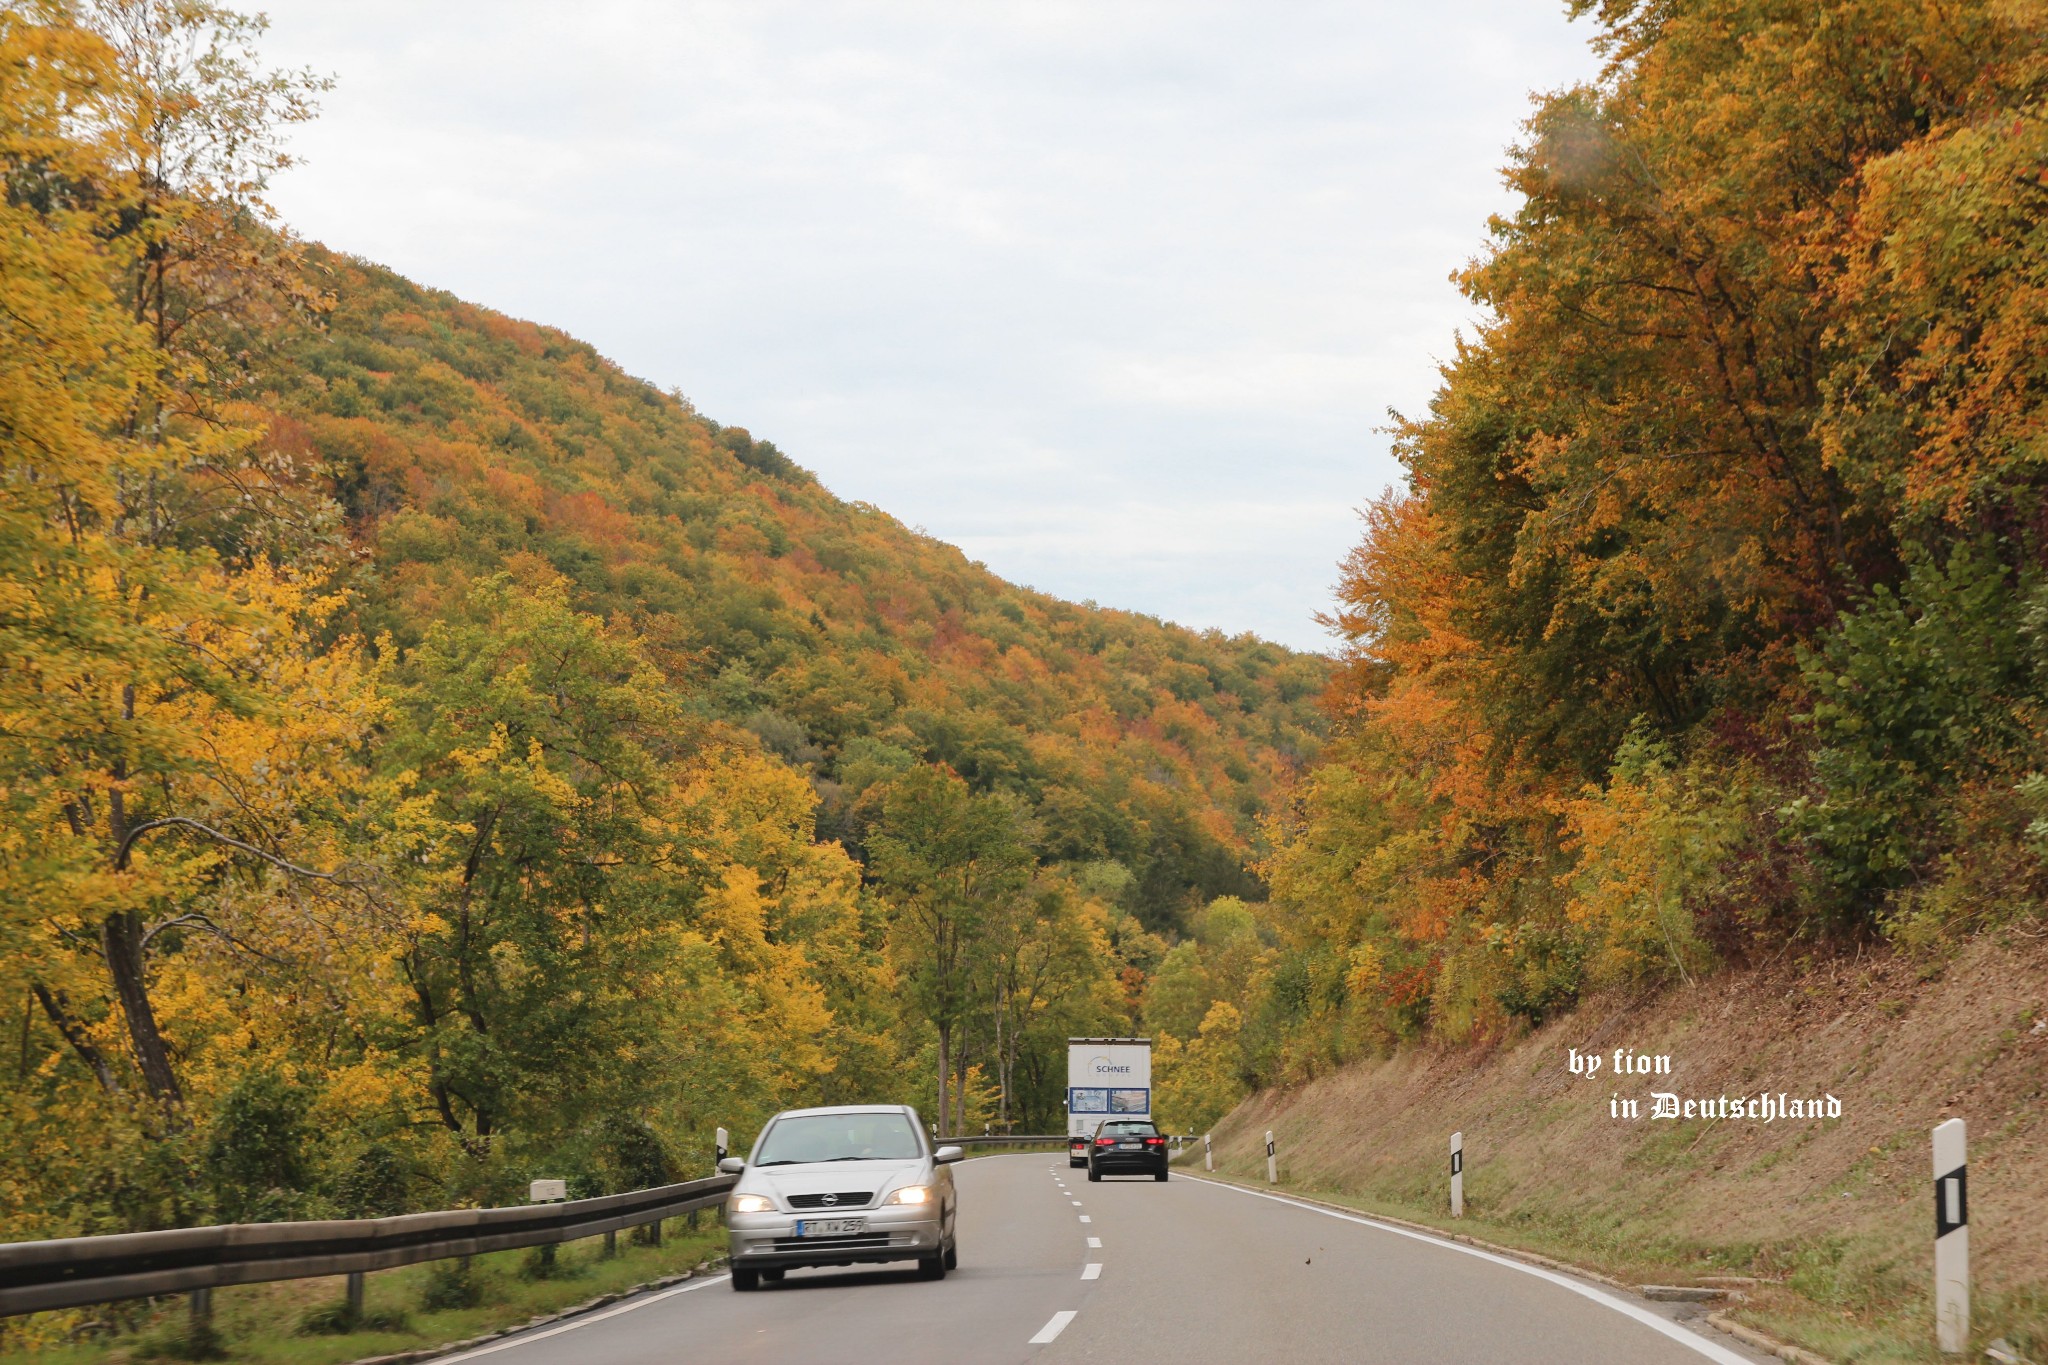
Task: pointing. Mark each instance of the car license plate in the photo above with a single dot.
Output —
(830, 1227)
(1129, 1146)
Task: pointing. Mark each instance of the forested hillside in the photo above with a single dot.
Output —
(1710, 623)
(848, 644)
(434, 758)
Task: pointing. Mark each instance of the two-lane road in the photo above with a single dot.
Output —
(1055, 1269)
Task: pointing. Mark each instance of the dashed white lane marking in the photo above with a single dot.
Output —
(1076, 1203)
(586, 1320)
(1053, 1328)
(1095, 1241)
(1092, 1271)
(1086, 1219)
(1712, 1350)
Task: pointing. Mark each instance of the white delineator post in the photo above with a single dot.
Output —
(1951, 1240)
(723, 1138)
(1457, 1175)
(1208, 1154)
(539, 1192)
(1272, 1162)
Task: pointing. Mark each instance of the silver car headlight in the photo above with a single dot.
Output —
(911, 1194)
(748, 1203)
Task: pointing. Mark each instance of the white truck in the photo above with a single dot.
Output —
(1106, 1078)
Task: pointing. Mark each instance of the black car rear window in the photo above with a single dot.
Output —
(1127, 1126)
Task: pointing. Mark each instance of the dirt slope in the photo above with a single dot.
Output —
(1837, 1211)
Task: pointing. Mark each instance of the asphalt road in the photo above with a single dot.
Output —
(1054, 1269)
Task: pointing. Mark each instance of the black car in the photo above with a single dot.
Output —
(1134, 1145)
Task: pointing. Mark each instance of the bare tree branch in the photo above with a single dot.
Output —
(149, 934)
(185, 822)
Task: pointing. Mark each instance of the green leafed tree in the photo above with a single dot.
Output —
(952, 863)
(543, 844)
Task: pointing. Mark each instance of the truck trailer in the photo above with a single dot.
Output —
(1107, 1078)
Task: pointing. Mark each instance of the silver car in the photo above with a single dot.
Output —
(841, 1186)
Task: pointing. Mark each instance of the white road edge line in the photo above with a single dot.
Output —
(1053, 1328)
(583, 1321)
(1092, 1271)
(1712, 1350)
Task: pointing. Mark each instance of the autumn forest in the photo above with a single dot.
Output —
(434, 758)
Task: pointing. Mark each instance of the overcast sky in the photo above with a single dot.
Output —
(1115, 296)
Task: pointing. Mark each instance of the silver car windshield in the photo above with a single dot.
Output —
(803, 1138)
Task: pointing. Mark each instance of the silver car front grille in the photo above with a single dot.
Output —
(857, 1199)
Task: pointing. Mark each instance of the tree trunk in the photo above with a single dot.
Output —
(58, 1009)
(945, 1061)
(1002, 1068)
(960, 1068)
(121, 942)
(1009, 1065)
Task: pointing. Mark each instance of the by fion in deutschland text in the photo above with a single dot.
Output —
(1763, 1107)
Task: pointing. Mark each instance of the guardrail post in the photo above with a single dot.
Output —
(1951, 1240)
(1457, 1175)
(355, 1297)
(202, 1308)
(611, 1245)
(722, 1145)
(1272, 1161)
(1208, 1154)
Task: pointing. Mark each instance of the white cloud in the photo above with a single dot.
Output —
(1238, 381)
(1025, 274)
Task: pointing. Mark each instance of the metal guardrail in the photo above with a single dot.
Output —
(70, 1271)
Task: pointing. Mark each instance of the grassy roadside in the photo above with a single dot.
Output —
(1831, 1215)
(407, 1309)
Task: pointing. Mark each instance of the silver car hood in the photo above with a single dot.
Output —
(830, 1177)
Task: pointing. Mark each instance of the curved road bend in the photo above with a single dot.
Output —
(1054, 1269)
